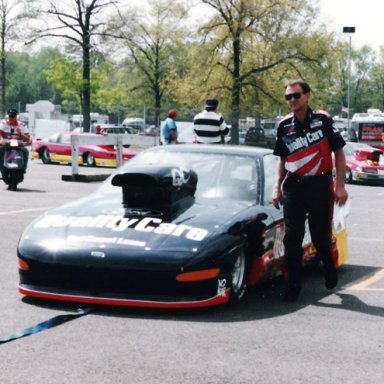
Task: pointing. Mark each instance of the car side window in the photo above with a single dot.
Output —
(54, 138)
(65, 139)
(270, 168)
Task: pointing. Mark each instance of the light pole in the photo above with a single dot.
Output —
(349, 30)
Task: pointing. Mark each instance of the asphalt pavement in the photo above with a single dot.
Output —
(325, 337)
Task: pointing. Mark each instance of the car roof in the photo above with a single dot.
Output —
(212, 148)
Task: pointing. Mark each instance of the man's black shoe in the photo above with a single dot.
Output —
(291, 294)
(331, 279)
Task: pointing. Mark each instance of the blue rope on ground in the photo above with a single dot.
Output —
(53, 322)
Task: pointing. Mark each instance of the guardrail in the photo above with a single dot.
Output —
(117, 140)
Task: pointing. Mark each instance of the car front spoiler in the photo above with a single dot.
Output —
(124, 302)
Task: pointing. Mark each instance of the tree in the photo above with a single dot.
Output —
(376, 90)
(363, 60)
(251, 37)
(152, 39)
(26, 79)
(78, 21)
(64, 73)
(10, 15)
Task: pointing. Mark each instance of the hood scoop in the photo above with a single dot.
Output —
(151, 190)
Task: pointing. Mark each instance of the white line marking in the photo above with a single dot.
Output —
(24, 211)
(364, 285)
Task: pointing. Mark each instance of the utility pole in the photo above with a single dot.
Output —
(349, 30)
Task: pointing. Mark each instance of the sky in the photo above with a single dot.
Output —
(365, 15)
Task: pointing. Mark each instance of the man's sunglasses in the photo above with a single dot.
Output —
(295, 95)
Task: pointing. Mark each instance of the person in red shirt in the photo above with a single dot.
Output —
(11, 128)
(304, 185)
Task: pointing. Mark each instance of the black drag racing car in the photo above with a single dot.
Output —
(176, 226)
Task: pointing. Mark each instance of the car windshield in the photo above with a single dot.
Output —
(350, 148)
(229, 176)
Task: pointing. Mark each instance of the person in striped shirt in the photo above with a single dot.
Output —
(209, 125)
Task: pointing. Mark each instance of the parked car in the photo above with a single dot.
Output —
(260, 138)
(363, 163)
(152, 131)
(136, 123)
(58, 149)
(113, 129)
(178, 226)
(264, 135)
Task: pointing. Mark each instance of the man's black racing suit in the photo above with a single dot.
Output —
(308, 186)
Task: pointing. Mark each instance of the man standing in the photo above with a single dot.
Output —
(169, 130)
(305, 141)
(14, 129)
(209, 125)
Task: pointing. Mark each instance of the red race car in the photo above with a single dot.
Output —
(57, 148)
(363, 163)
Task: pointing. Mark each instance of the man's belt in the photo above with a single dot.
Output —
(295, 176)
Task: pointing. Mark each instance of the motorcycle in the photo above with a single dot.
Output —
(13, 163)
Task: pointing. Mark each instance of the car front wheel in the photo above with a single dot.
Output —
(239, 277)
(89, 159)
(45, 156)
(348, 176)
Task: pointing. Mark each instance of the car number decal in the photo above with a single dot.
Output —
(221, 287)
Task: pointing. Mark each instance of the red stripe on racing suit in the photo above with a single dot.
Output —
(307, 147)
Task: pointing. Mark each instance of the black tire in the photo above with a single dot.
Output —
(45, 155)
(89, 159)
(348, 176)
(13, 180)
(239, 277)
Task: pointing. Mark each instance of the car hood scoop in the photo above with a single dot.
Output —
(163, 191)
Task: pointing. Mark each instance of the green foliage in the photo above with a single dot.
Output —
(66, 78)
(26, 81)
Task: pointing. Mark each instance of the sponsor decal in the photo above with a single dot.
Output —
(307, 235)
(179, 176)
(221, 287)
(278, 246)
(120, 224)
(316, 123)
(303, 142)
(104, 240)
(291, 129)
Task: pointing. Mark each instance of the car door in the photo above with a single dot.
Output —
(55, 148)
(63, 148)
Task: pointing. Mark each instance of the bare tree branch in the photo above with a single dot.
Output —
(78, 23)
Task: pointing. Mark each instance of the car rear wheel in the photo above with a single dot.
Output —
(45, 156)
(89, 159)
(239, 277)
(348, 176)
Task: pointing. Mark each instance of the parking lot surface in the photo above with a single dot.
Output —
(325, 337)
